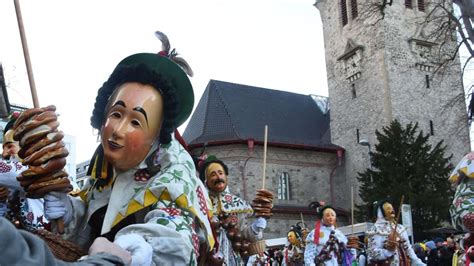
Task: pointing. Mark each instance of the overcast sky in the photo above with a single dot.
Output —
(75, 44)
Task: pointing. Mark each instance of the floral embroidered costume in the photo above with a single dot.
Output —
(326, 245)
(142, 192)
(461, 210)
(293, 253)
(231, 213)
(379, 251)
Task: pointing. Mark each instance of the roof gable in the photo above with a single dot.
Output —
(233, 112)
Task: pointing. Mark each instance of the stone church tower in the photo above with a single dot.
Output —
(384, 69)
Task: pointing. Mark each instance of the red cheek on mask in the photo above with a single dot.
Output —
(135, 141)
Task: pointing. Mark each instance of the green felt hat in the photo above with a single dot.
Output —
(171, 72)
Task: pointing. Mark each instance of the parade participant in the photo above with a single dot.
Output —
(388, 242)
(293, 253)
(142, 192)
(19, 247)
(234, 234)
(462, 178)
(24, 212)
(326, 245)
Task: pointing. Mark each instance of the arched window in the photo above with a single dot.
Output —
(408, 4)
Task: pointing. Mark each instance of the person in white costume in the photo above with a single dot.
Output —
(388, 242)
(326, 245)
(142, 193)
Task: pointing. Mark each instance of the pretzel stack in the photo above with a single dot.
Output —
(43, 151)
(263, 203)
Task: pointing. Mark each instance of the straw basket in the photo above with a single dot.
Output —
(257, 247)
(62, 249)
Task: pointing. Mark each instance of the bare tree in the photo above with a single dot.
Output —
(448, 25)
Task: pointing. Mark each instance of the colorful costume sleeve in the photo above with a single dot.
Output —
(177, 200)
(9, 170)
(375, 248)
(310, 250)
(171, 233)
(246, 230)
(76, 230)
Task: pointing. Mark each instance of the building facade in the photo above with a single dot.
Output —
(229, 123)
(385, 69)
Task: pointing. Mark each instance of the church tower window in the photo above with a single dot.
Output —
(427, 79)
(408, 4)
(431, 128)
(357, 135)
(354, 10)
(421, 5)
(344, 12)
(353, 91)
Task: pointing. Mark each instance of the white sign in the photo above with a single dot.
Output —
(407, 220)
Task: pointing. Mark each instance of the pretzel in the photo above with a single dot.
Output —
(48, 167)
(58, 153)
(39, 190)
(30, 113)
(38, 132)
(43, 151)
(48, 139)
(34, 122)
(26, 182)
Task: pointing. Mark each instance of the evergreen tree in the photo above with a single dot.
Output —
(404, 163)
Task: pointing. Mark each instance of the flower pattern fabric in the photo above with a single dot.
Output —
(175, 198)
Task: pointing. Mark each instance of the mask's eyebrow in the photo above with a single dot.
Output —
(141, 110)
(121, 103)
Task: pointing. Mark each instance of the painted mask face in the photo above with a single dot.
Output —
(132, 123)
(388, 212)
(216, 179)
(10, 147)
(292, 238)
(329, 217)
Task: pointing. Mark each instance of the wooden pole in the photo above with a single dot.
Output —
(264, 156)
(26, 54)
(352, 210)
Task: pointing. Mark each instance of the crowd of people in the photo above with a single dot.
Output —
(147, 202)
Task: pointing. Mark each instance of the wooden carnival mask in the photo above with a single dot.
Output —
(329, 217)
(216, 179)
(132, 123)
(388, 212)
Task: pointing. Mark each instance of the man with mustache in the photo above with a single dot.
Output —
(388, 242)
(234, 234)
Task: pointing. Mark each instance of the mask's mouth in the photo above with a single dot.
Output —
(114, 145)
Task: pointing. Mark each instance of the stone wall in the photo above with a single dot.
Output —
(386, 63)
(309, 173)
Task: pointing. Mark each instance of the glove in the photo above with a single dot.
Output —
(57, 205)
(140, 250)
(101, 244)
(259, 225)
(3, 209)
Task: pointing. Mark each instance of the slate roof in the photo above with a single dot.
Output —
(233, 113)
